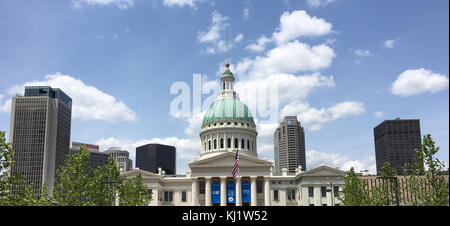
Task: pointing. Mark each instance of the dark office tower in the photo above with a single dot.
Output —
(150, 157)
(96, 158)
(40, 134)
(396, 141)
(289, 142)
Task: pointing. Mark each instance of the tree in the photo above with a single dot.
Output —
(385, 193)
(354, 192)
(134, 193)
(433, 190)
(24, 195)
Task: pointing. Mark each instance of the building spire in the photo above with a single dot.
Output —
(227, 63)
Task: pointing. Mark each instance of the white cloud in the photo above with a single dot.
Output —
(218, 24)
(213, 38)
(181, 3)
(390, 43)
(89, 103)
(313, 118)
(245, 13)
(379, 114)
(315, 159)
(186, 149)
(300, 24)
(121, 4)
(318, 3)
(290, 87)
(239, 37)
(362, 52)
(290, 57)
(418, 81)
(260, 44)
(6, 107)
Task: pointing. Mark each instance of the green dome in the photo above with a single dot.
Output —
(228, 109)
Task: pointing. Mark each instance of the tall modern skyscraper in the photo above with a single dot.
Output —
(122, 158)
(40, 134)
(150, 157)
(396, 141)
(96, 158)
(289, 142)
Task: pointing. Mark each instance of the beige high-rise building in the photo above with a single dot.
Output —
(289, 143)
(40, 134)
(122, 158)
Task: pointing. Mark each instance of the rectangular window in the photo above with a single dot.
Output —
(183, 196)
(201, 187)
(275, 195)
(168, 196)
(311, 204)
(291, 194)
(259, 186)
(311, 191)
(336, 191)
(323, 191)
(324, 204)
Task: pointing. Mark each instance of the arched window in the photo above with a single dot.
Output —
(221, 143)
(224, 85)
(229, 143)
(215, 144)
(242, 144)
(236, 143)
(252, 146)
(248, 144)
(209, 145)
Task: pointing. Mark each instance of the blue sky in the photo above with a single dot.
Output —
(342, 66)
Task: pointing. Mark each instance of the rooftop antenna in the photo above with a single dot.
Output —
(227, 64)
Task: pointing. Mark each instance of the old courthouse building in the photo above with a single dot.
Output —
(228, 126)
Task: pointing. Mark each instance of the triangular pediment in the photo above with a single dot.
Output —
(323, 171)
(227, 160)
(144, 174)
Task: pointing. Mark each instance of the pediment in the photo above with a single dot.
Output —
(323, 171)
(144, 174)
(227, 160)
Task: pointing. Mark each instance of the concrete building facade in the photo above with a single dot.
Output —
(396, 141)
(150, 157)
(289, 145)
(122, 157)
(40, 134)
(96, 158)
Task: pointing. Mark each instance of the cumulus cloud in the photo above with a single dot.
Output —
(187, 149)
(313, 118)
(318, 3)
(290, 57)
(363, 52)
(6, 106)
(121, 4)
(213, 38)
(260, 44)
(180, 3)
(379, 114)
(316, 158)
(390, 43)
(88, 102)
(299, 24)
(418, 81)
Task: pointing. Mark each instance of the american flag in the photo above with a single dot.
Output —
(235, 170)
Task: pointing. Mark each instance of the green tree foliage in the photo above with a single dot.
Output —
(386, 193)
(354, 193)
(24, 194)
(134, 193)
(433, 190)
(79, 185)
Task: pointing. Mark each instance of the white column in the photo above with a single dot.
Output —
(238, 191)
(266, 191)
(194, 194)
(253, 191)
(208, 191)
(223, 191)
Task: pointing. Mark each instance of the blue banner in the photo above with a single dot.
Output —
(245, 191)
(231, 196)
(215, 193)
